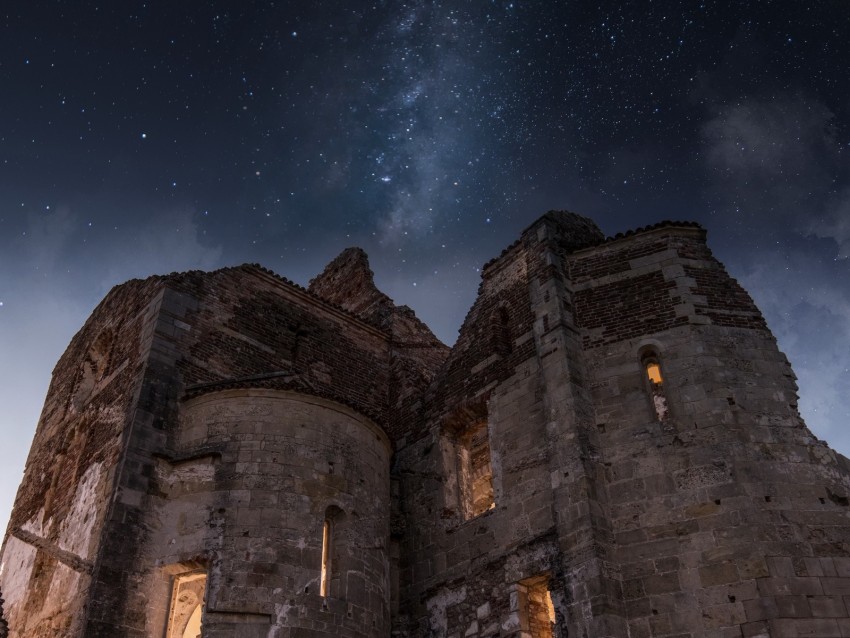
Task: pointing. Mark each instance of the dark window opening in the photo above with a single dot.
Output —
(502, 342)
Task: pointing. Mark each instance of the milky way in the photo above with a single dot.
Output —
(141, 138)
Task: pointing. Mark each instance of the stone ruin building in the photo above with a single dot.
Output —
(611, 448)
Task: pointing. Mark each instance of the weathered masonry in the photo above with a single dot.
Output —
(611, 448)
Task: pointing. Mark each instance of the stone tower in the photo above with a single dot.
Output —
(611, 448)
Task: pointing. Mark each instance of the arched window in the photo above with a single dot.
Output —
(655, 382)
(187, 605)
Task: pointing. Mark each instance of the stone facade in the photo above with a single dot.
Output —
(611, 448)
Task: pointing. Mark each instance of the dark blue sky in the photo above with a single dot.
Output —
(145, 137)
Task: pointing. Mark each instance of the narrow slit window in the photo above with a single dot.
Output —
(187, 605)
(335, 547)
(326, 559)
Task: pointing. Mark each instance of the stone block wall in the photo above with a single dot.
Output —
(718, 508)
(263, 470)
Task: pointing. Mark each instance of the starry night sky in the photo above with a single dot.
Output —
(147, 137)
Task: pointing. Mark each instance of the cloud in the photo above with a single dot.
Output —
(773, 164)
(60, 249)
(47, 238)
(834, 224)
(422, 161)
(417, 163)
(172, 241)
(412, 208)
(758, 140)
(771, 169)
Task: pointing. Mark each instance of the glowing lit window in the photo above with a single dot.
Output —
(656, 385)
(470, 481)
(535, 609)
(335, 533)
(475, 471)
(653, 371)
(324, 587)
(187, 605)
